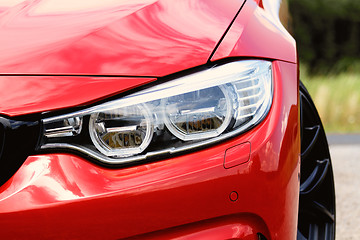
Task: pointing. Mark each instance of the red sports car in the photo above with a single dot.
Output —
(157, 119)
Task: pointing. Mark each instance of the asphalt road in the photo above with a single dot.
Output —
(345, 154)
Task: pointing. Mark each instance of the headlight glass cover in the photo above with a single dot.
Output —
(181, 114)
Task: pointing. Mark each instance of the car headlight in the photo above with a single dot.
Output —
(181, 114)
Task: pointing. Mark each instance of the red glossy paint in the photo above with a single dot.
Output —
(255, 34)
(31, 94)
(237, 155)
(243, 227)
(65, 196)
(138, 37)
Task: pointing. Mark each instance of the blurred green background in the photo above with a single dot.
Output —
(328, 37)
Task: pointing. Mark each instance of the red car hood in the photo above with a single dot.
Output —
(136, 38)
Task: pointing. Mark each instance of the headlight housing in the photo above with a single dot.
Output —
(181, 114)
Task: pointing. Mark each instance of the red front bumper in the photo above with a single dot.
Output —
(188, 196)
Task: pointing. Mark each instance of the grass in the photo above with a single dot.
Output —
(337, 98)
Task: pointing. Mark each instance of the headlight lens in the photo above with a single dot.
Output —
(199, 114)
(181, 114)
(121, 132)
